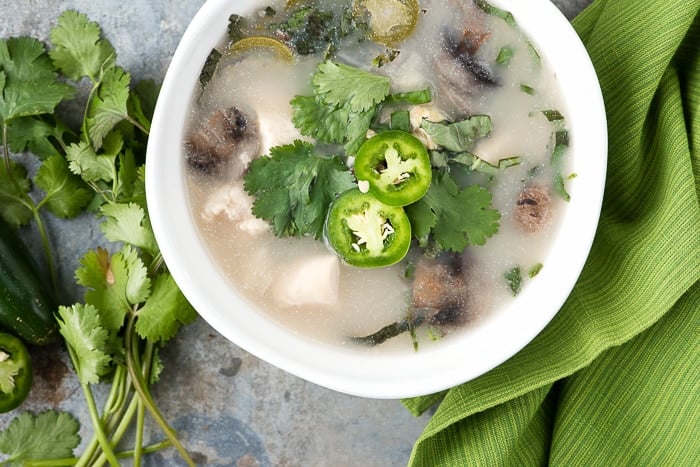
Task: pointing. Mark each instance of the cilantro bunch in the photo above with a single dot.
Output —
(132, 306)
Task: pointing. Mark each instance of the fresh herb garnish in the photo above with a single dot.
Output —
(294, 188)
(458, 136)
(514, 279)
(131, 306)
(561, 145)
(534, 270)
(451, 218)
(344, 101)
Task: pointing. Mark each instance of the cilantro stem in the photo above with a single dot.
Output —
(146, 449)
(138, 442)
(50, 462)
(141, 387)
(50, 262)
(113, 410)
(31, 205)
(94, 416)
(117, 394)
(121, 428)
(126, 416)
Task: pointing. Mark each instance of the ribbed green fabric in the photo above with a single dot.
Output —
(614, 379)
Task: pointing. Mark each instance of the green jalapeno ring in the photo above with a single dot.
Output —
(397, 167)
(15, 372)
(367, 233)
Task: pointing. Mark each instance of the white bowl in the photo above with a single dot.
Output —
(394, 375)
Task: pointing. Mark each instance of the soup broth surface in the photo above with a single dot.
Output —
(300, 282)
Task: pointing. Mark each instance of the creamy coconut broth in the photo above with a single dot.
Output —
(301, 281)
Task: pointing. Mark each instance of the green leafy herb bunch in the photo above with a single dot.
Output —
(132, 305)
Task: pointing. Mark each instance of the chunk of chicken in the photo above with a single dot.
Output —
(233, 203)
(309, 281)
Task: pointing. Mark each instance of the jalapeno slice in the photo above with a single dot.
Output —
(15, 372)
(367, 233)
(397, 167)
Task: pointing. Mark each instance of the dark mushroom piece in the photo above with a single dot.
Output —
(226, 134)
(459, 70)
(533, 208)
(439, 298)
(440, 289)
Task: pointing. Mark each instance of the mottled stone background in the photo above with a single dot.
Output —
(229, 407)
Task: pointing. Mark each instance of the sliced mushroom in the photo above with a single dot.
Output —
(533, 208)
(459, 70)
(227, 136)
(440, 290)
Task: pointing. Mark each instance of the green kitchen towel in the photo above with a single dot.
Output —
(614, 379)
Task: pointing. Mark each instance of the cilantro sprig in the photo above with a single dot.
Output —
(294, 188)
(344, 102)
(132, 306)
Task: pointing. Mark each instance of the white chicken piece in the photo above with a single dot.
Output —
(309, 281)
(233, 203)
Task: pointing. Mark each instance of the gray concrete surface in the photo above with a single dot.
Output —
(229, 407)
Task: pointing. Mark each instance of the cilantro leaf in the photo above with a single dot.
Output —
(48, 435)
(343, 105)
(331, 124)
(81, 327)
(92, 167)
(454, 217)
(66, 193)
(114, 284)
(458, 136)
(41, 135)
(28, 84)
(12, 206)
(109, 106)
(293, 188)
(343, 85)
(128, 223)
(79, 48)
(165, 311)
(142, 102)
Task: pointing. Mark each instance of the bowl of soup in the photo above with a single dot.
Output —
(386, 198)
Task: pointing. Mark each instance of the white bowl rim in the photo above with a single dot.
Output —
(391, 376)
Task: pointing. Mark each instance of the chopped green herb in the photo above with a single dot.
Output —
(497, 12)
(236, 27)
(527, 89)
(534, 53)
(514, 280)
(534, 270)
(209, 67)
(504, 56)
(422, 96)
(553, 115)
(458, 136)
(387, 57)
(401, 120)
(476, 164)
